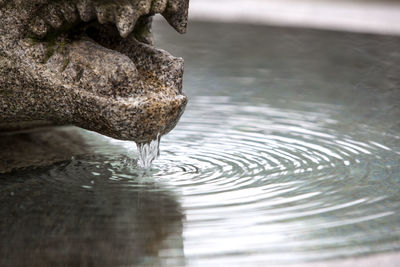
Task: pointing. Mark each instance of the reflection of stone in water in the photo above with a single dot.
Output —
(50, 217)
(51, 221)
(40, 147)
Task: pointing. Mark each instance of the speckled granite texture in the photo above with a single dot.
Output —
(91, 63)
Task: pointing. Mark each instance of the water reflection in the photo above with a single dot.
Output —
(39, 147)
(288, 152)
(73, 214)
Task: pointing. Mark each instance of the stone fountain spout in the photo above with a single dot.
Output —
(90, 63)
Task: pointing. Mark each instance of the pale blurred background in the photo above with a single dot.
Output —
(367, 16)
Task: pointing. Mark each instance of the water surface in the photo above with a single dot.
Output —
(288, 152)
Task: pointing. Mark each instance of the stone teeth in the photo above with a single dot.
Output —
(104, 14)
(125, 20)
(39, 27)
(176, 13)
(128, 14)
(69, 12)
(143, 7)
(158, 6)
(125, 14)
(54, 17)
(86, 10)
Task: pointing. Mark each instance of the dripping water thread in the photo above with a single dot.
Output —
(148, 152)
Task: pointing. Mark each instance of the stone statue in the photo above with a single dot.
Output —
(90, 63)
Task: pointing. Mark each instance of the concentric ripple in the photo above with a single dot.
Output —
(300, 163)
(261, 183)
(235, 184)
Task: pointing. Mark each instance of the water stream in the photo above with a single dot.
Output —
(288, 152)
(148, 152)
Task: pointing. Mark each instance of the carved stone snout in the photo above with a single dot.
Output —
(91, 64)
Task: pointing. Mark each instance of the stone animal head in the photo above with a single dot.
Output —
(90, 63)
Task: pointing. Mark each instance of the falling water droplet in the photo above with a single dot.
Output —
(148, 152)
